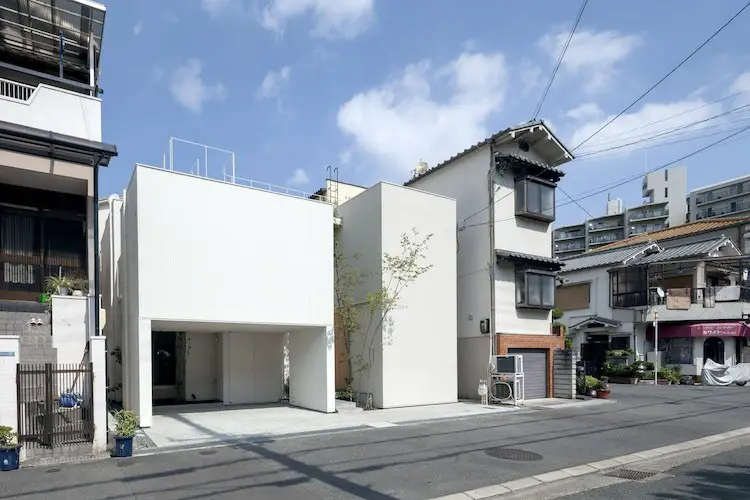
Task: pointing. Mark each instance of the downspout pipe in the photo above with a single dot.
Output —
(97, 272)
(492, 263)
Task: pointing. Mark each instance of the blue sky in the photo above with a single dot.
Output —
(373, 86)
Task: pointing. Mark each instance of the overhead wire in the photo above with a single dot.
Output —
(650, 89)
(560, 59)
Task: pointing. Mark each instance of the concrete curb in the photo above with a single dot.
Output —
(591, 468)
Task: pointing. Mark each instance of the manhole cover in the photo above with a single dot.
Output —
(208, 452)
(633, 475)
(52, 471)
(513, 454)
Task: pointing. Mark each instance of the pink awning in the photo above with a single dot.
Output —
(730, 329)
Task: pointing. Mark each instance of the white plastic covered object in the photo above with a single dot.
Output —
(715, 374)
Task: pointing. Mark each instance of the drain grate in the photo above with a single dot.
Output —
(633, 475)
(513, 454)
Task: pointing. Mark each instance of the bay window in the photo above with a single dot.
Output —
(535, 199)
(535, 289)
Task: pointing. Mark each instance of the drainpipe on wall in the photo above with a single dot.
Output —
(491, 201)
(95, 214)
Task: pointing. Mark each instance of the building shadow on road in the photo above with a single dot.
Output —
(728, 482)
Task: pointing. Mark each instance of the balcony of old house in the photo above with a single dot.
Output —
(693, 291)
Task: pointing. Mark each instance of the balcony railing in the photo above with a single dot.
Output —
(723, 193)
(603, 226)
(569, 235)
(647, 228)
(569, 247)
(605, 238)
(648, 214)
(731, 208)
(16, 91)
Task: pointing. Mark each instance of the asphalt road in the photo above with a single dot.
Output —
(417, 461)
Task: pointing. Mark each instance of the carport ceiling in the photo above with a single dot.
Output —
(214, 327)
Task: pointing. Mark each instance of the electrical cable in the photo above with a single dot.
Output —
(560, 59)
(686, 59)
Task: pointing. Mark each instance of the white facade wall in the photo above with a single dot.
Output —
(57, 110)
(9, 350)
(311, 369)
(197, 252)
(215, 252)
(70, 320)
(110, 247)
(423, 324)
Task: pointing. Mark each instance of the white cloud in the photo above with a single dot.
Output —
(189, 88)
(218, 7)
(531, 77)
(639, 125)
(298, 178)
(584, 112)
(400, 122)
(273, 82)
(592, 56)
(138, 28)
(741, 84)
(333, 18)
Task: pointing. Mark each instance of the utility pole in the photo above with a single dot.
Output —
(656, 347)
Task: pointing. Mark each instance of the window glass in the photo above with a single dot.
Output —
(534, 195)
(520, 288)
(548, 291)
(520, 196)
(677, 351)
(534, 289)
(548, 201)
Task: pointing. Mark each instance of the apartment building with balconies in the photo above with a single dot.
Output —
(725, 199)
(663, 206)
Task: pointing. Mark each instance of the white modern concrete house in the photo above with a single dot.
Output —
(51, 150)
(692, 278)
(411, 351)
(504, 189)
(212, 278)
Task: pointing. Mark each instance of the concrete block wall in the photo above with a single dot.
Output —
(564, 374)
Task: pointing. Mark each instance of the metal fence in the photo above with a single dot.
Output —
(55, 404)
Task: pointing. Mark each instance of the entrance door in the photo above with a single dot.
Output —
(593, 354)
(164, 367)
(713, 349)
(534, 372)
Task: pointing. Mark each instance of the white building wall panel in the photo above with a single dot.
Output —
(423, 324)
(311, 369)
(201, 367)
(212, 251)
(253, 367)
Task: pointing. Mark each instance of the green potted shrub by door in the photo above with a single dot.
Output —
(126, 423)
(9, 449)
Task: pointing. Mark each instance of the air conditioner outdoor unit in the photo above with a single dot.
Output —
(511, 364)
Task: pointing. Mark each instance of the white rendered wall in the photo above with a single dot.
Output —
(201, 367)
(423, 325)
(98, 358)
(9, 349)
(69, 328)
(252, 367)
(311, 369)
(57, 110)
(212, 251)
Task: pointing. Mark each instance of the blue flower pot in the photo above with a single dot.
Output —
(9, 459)
(123, 447)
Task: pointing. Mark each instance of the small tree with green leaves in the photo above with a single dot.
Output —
(366, 326)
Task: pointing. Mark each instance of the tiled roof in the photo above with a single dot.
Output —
(607, 322)
(483, 143)
(698, 249)
(597, 259)
(525, 257)
(689, 229)
(533, 162)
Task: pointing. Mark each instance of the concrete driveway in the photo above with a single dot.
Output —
(204, 424)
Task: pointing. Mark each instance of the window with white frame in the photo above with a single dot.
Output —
(677, 351)
(535, 198)
(535, 289)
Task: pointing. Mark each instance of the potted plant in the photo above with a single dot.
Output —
(58, 285)
(80, 285)
(126, 423)
(9, 449)
(603, 390)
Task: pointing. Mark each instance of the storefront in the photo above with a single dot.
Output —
(689, 345)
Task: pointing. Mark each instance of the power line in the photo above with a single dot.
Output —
(665, 76)
(630, 178)
(560, 59)
(673, 116)
(670, 132)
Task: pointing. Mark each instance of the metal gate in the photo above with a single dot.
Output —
(55, 404)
